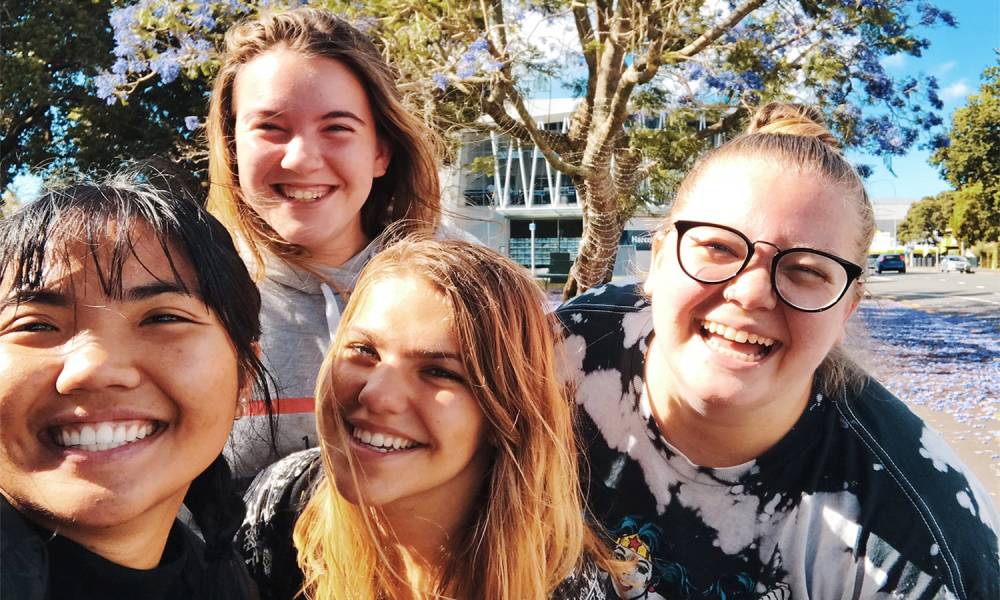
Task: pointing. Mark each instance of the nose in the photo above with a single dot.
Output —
(302, 155)
(385, 391)
(752, 289)
(94, 366)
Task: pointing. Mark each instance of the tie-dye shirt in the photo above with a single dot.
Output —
(859, 500)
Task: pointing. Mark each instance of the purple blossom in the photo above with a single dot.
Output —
(107, 84)
(440, 81)
(479, 46)
(492, 66)
(166, 65)
(192, 122)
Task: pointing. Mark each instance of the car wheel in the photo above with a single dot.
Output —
(902, 271)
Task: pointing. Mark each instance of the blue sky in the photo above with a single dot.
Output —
(957, 57)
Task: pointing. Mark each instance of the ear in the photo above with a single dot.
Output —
(855, 302)
(383, 155)
(246, 386)
(656, 263)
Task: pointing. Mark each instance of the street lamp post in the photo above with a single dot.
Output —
(531, 229)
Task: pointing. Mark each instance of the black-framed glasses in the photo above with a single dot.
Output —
(805, 279)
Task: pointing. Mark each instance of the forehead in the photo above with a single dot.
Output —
(288, 80)
(406, 306)
(109, 264)
(789, 207)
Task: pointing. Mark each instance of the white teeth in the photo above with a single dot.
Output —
(736, 335)
(105, 433)
(716, 346)
(96, 437)
(382, 442)
(306, 194)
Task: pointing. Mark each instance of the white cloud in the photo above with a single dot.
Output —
(956, 91)
(945, 68)
(894, 61)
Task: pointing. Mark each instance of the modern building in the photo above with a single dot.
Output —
(505, 193)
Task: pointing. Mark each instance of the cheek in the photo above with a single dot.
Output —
(251, 157)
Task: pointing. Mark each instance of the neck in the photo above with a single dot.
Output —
(717, 434)
(137, 543)
(427, 535)
(335, 255)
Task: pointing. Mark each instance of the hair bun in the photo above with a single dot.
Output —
(792, 119)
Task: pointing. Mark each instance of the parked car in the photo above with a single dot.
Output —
(871, 261)
(890, 262)
(954, 263)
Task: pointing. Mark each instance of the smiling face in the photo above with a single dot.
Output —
(306, 150)
(111, 407)
(704, 341)
(413, 425)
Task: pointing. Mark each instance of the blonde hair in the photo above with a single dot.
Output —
(408, 190)
(795, 136)
(528, 532)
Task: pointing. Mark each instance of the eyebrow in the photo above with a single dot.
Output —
(49, 297)
(42, 296)
(423, 353)
(342, 114)
(149, 290)
(333, 114)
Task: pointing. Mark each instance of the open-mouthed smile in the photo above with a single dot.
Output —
(736, 343)
(303, 193)
(382, 442)
(103, 435)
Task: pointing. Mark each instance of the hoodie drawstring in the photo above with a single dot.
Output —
(332, 309)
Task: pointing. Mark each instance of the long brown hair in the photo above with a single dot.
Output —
(410, 187)
(528, 532)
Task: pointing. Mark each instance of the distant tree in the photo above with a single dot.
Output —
(461, 60)
(971, 161)
(51, 115)
(927, 220)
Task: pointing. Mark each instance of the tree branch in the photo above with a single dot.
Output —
(705, 40)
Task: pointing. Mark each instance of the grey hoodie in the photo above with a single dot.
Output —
(299, 315)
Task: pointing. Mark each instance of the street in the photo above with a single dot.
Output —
(932, 339)
(924, 288)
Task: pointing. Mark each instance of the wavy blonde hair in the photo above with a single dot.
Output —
(528, 531)
(408, 190)
(795, 136)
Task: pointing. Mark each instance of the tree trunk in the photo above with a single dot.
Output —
(602, 229)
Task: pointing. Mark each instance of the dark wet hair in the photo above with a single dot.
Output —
(101, 217)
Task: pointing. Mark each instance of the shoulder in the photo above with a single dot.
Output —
(605, 329)
(608, 298)
(610, 311)
(25, 560)
(930, 488)
(448, 231)
(284, 486)
(586, 582)
(274, 501)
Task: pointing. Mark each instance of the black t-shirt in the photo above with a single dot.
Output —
(859, 500)
(279, 494)
(40, 565)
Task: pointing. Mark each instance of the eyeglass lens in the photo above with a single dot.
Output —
(803, 279)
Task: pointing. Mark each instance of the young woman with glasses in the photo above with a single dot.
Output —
(734, 450)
